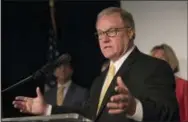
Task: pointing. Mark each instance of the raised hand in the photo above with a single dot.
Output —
(30, 105)
(123, 101)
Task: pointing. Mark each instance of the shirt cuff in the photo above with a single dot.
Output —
(138, 115)
(48, 110)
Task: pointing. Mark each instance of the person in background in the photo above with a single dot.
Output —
(66, 92)
(135, 87)
(166, 53)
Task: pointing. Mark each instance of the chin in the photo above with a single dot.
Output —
(108, 56)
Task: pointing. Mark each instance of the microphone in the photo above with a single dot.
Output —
(44, 71)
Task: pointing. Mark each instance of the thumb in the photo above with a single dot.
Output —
(39, 94)
(120, 82)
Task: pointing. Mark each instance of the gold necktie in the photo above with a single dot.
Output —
(111, 73)
(60, 95)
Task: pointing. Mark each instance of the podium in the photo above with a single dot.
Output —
(71, 117)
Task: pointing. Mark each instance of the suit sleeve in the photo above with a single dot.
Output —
(159, 102)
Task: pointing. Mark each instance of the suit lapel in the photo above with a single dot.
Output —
(98, 88)
(123, 72)
(69, 95)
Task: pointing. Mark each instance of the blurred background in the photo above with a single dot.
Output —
(27, 37)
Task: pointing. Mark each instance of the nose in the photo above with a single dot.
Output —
(105, 39)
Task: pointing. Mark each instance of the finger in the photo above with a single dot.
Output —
(18, 102)
(115, 111)
(19, 105)
(39, 94)
(119, 98)
(24, 108)
(21, 98)
(112, 105)
(24, 111)
(121, 90)
(120, 82)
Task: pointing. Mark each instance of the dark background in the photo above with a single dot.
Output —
(25, 27)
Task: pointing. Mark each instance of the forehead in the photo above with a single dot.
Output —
(59, 68)
(158, 52)
(105, 22)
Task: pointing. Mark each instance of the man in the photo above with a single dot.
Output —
(135, 87)
(66, 92)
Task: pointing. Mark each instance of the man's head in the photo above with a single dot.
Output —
(166, 53)
(63, 71)
(115, 31)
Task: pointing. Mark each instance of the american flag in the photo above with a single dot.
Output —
(52, 55)
(53, 52)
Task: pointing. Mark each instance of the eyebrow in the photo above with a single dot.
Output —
(108, 29)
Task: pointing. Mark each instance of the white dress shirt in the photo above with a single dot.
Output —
(138, 116)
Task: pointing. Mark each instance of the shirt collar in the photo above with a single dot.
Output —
(66, 85)
(120, 61)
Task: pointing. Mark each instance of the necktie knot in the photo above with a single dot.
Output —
(111, 70)
(61, 88)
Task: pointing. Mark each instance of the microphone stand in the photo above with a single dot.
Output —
(18, 83)
(43, 71)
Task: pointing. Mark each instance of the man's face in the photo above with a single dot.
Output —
(112, 47)
(159, 53)
(63, 74)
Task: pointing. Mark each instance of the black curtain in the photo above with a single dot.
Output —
(25, 29)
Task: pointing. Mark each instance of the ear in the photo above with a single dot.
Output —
(130, 34)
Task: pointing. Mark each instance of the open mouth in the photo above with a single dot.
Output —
(107, 47)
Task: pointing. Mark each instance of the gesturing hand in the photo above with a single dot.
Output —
(123, 101)
(30, 105)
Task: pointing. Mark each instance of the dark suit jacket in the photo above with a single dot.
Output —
(149, 79)
(76, 95)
